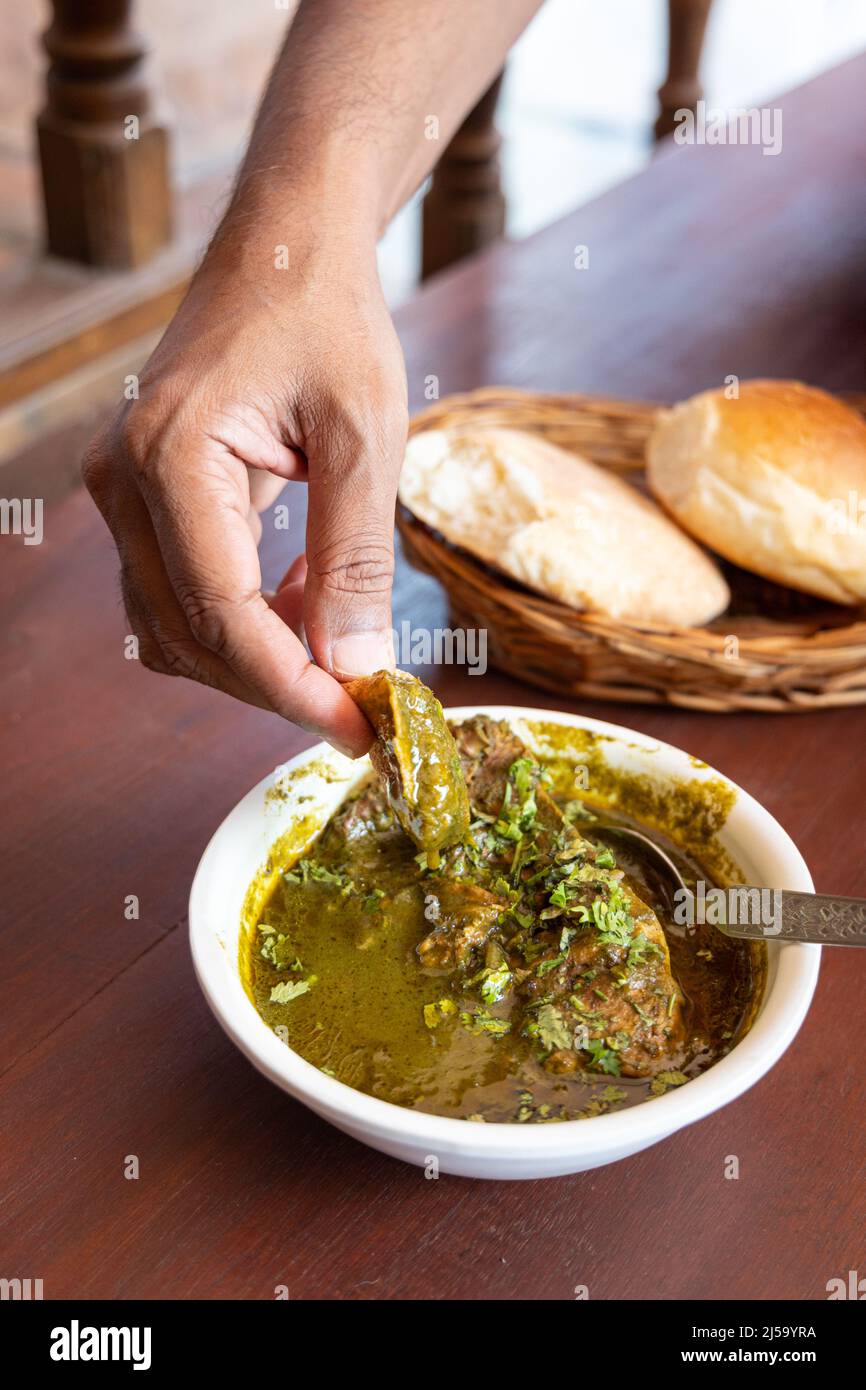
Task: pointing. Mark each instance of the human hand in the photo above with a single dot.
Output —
(250, 388)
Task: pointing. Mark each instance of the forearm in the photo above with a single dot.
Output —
(342, 137)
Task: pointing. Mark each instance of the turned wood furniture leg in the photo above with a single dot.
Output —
(104, 157)
(687, 24)
(465, 207)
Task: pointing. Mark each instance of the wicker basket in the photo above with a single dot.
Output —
(773, 649)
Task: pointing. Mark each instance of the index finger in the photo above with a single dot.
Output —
(199, 512)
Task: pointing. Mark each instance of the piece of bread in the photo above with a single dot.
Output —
(767, 481)
(560, 525)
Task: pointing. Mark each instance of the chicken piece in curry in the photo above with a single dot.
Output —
(416, 759)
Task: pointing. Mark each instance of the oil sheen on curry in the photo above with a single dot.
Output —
(460, 939)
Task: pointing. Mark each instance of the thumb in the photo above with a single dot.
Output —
(350, 553)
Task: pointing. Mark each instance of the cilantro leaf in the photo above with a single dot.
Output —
(292, 989)
(483, 1022)
(551, 1028)
(666, 1080)
(603, 1058)
(434, 1013)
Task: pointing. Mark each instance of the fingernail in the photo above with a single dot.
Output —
(362, 653)
(345, 748)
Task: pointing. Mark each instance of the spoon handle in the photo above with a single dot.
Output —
(822, 918)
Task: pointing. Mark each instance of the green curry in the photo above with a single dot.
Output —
(416, 758)
(522, 974)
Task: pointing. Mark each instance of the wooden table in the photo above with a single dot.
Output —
(712, 261)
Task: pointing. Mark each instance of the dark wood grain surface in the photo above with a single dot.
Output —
(714, 261)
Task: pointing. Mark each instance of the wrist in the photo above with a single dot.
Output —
(318, 208)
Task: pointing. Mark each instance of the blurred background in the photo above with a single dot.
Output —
(576, 114)
(580, 95)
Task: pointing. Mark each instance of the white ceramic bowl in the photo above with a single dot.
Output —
(755, 841)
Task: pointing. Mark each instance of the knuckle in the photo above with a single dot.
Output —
(356, 567)
(96, 467)
(208, 620)
(180, 658)
(365, 438)
(150, 656)
(142, 431)
(139, 446)
(93, 471)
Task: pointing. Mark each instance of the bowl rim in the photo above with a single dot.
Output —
(792, 988)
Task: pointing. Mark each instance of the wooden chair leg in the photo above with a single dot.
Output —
(104, 157)
(465, 207)
(687, 25)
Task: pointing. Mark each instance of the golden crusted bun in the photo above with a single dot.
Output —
(560, 525)
(772, 480)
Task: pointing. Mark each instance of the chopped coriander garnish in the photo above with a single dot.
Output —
(483, 1022)
(434, 1013)
(602, 1058)
(550, 1028)
(666, 1080)
(292, 989)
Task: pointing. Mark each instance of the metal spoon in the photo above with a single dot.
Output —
(758, 914)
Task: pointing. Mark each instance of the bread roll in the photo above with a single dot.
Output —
(773, 481)
(560, 525)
